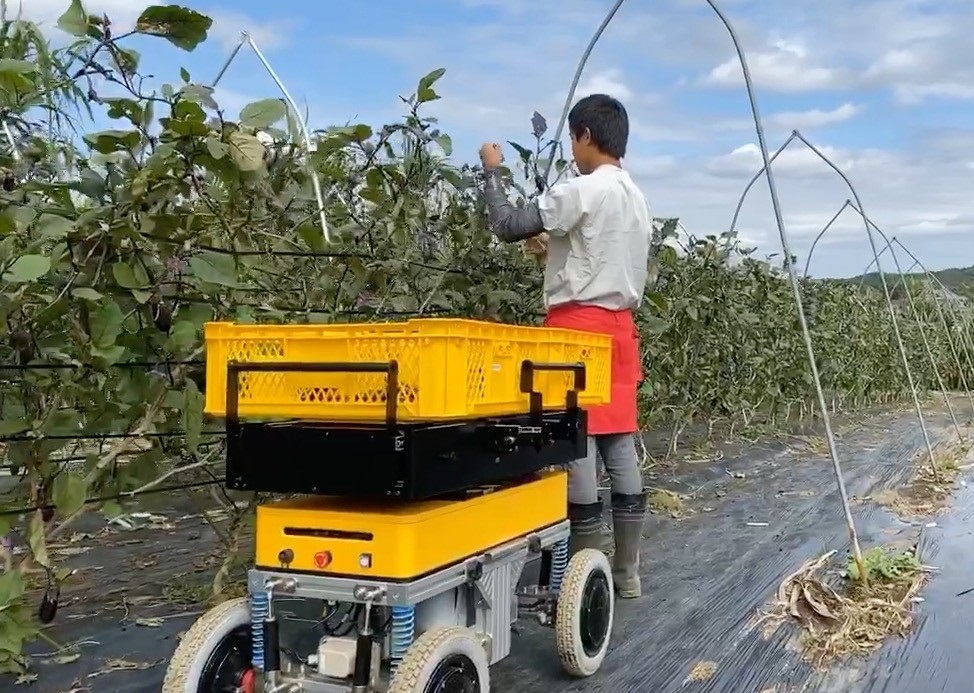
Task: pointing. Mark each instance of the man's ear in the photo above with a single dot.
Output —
(586, 137)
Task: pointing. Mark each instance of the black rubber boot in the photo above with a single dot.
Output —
(586, 527)
(628, 519)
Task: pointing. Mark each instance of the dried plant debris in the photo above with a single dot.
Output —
(701, 671)
(853, 618)
(932, 487)
(669, 503)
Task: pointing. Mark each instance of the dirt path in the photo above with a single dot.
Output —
(754, 514)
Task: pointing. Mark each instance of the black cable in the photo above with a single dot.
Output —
(16, 438)
(303, 253)
(70, 366)
(118, 496)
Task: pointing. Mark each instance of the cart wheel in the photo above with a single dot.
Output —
(214, 654)
(583, 621)
(444, 660)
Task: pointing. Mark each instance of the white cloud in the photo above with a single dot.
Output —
(797, 160)
(123, 13)
(605, 82)
(786, 121)
(896, 63)
(784, 66)
(814, 118)
(652, 167)
(228, 25)
(917, 93)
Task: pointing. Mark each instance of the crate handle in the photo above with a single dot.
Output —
(529, 368)
(235, 368)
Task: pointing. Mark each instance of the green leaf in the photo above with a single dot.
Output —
(12, 587)
(119, 107)
(36, 540)
(53, 226)
(192, 415)
(28, 268)
(656, 325)
(246, 151)
(12, 427)
(657, 300)
(446, 144)
(197, 94)
(181, 26)
(108, 141)
(106, 324)
(217, 148)
(111, 509)
(524, 152)
(16, 67)
(348, 133)
(182, 335)
(214, 268)
(70, 492)
(107, 356)
(23, 216)
(424, 92)
(86, 293)
(91, 184)
(263, 114)
(130, 276)
(311, 234)
(7, 224)
(127, 59)
(62, 422)
(74, 20)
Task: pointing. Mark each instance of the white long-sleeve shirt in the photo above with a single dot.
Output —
(600, 229)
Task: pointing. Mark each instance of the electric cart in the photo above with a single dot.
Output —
(420, 467)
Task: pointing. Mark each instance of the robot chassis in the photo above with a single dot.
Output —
(411, 569)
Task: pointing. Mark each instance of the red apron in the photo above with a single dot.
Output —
(619, 416)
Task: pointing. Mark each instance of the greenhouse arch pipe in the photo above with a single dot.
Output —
(911, 381)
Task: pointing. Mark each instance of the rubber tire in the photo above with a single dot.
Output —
(200, 641)
(568, 635)
(431, 648)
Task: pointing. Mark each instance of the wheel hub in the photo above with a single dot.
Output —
(595, 613)
(455, 674)
(228, 668)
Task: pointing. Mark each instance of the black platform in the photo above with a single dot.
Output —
(399, 460)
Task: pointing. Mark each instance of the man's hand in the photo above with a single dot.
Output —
(491, 156)
(537, 246)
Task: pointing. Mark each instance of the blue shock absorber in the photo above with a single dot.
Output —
(403, 632)
(258, 612)
(559, 563)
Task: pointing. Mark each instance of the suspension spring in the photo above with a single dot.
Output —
(559, 563)
(403, 632)
(259, 608)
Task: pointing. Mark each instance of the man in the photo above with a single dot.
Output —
(595, 231)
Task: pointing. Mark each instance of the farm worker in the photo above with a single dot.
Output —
(595, 232)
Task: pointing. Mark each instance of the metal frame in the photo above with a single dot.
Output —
(494, 574)
(309, 144)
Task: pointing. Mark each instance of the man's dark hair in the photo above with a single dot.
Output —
(606, 120)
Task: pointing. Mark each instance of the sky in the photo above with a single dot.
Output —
(884, 88)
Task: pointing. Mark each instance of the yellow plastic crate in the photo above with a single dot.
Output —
(448, 369)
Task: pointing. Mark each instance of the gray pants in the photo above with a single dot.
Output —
(618, 453)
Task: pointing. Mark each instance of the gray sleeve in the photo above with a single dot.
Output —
(507, 222)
